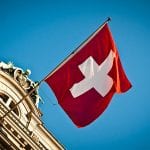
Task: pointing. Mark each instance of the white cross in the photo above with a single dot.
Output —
(96, 76)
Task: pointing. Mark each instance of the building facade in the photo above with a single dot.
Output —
(22, 128)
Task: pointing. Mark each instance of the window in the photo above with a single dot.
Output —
(12, 104)
(9, 102)
(4, 97)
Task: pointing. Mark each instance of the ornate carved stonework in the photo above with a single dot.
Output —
(22, 128)
(21, 77)
(35, 138)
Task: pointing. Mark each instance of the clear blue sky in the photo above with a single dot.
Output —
(40, 34)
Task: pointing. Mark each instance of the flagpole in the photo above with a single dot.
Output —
(78, 48)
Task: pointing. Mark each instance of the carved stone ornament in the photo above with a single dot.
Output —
(35, 138)
(21, 77)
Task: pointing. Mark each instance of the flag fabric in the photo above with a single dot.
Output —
(85, 83)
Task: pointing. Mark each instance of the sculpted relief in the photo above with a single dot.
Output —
(21, 77)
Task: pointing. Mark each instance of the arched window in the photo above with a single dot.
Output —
(8, 102)
(4, 97)
(12, 104)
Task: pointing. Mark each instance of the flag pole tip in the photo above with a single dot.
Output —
(108, 19)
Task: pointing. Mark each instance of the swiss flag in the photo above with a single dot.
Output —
(86, 82)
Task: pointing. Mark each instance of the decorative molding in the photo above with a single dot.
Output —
(21, 77)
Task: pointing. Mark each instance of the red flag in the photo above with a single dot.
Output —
(86, 82)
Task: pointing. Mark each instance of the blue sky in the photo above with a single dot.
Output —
(40, 34)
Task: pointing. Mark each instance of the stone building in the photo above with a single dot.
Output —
(22, 128)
